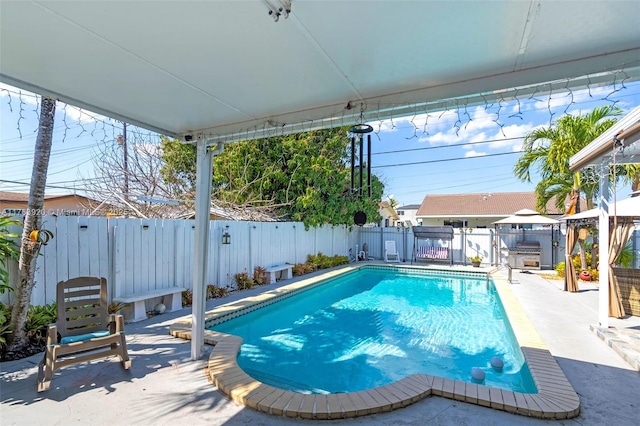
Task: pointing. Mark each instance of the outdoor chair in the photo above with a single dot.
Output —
(84, 330)
(390, 252)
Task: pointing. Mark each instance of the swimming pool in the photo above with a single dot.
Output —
(555, 399)
(373, 327)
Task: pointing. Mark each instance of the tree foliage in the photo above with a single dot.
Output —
(548, 150)
(303, 177)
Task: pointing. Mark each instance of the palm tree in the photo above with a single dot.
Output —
(549, 150)
(30, 246)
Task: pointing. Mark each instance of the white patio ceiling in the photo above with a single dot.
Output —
(226, 70)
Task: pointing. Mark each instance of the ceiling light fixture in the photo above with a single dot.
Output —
(278, 8)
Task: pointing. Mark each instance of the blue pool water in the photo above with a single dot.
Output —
(375, 326)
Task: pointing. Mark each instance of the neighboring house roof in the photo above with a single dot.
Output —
(409, 207)
(488, 204)
(22, 197)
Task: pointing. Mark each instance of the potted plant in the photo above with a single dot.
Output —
(475, 260)
(585, 276)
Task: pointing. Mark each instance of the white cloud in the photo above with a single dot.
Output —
(76, 115)
(473, 153)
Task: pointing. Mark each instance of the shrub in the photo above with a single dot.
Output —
(260, 275)
(560, 269)
(243, 281)
(319, 261)
(215, 292)
(41, 316)
(187, 298)
(338, 260)
(5, 317)
(115, 307)
(299, 269)
(9, 249)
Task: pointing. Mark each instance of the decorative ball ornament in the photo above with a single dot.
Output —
(497, 363)
(360, 218)
(477, 373)
(159, 308)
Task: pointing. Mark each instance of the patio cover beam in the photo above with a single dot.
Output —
(603, 247)
(204, 167)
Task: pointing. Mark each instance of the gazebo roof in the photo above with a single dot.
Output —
(619, 143)
(624, 208)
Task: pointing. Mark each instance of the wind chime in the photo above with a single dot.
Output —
(357, 138)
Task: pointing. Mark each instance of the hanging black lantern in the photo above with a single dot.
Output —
(358, 131)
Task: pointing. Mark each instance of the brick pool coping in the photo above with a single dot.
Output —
(556, 398)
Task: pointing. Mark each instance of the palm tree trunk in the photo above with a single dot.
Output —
(32, 221)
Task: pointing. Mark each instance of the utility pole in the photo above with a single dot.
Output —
(122, 140)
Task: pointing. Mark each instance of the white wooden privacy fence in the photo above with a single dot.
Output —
(137, 255)
(466, 242)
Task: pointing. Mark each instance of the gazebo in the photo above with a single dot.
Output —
(622, 216)
(620, 144)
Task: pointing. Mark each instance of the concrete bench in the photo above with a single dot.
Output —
(172, 300)
(286, 270)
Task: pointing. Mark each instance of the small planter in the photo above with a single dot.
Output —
(475, 264)
(585, 276)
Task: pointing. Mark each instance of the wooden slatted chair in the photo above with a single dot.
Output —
(86, 328)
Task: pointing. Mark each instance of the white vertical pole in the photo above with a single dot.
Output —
(204, 170)
(603, 249)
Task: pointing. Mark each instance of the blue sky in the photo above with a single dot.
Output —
(463, 150)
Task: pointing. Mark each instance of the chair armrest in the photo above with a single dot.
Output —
(52, 335)
(116, 323)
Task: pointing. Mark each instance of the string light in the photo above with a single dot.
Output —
(495, 105)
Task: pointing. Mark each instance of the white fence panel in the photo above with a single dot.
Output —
(184, 234)
(137, 255)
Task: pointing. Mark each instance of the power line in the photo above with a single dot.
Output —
(445, 159)
(448, 146)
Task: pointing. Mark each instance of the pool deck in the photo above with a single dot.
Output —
(165, 387)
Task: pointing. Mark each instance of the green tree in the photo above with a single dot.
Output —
(303, 177)
(548, 150)
(30, 245)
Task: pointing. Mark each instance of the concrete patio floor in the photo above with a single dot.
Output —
(164, 387)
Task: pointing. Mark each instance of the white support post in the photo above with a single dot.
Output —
(204, 170)
(603, 249)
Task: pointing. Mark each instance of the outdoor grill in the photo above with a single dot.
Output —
(525, 255)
